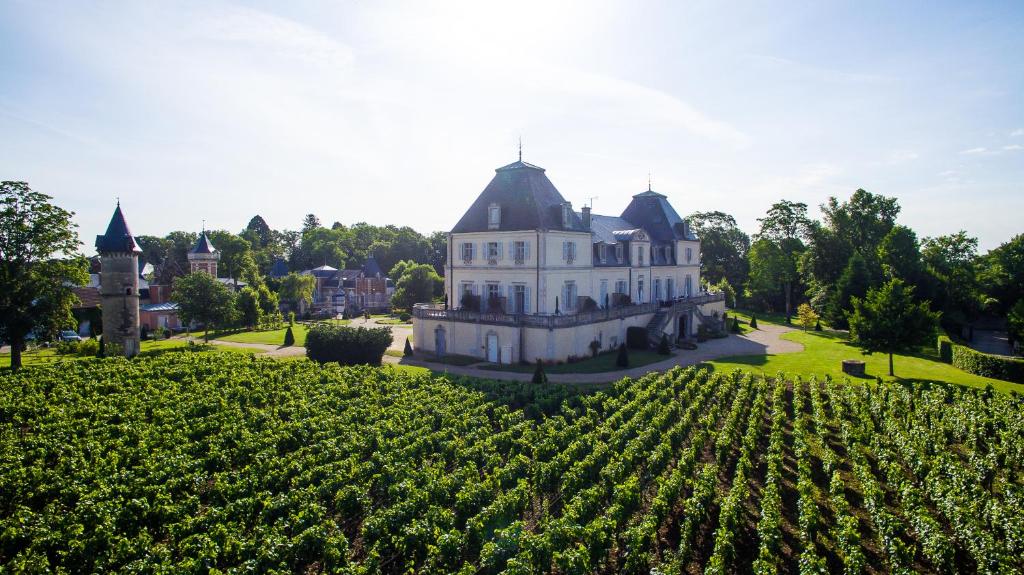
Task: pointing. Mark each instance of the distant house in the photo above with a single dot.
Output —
(353, 291)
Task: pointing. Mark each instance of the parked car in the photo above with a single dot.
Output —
(70, 335)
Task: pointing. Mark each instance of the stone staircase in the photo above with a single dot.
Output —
(655, 328)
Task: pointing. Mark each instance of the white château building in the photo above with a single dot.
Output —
(528, 277)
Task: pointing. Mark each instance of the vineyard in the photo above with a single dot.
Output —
(201, 462)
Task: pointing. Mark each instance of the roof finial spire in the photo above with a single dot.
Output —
(648, 180)
(204, 225)
(520, 148)
(119, 201)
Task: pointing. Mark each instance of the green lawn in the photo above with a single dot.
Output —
(272, 336)
(824, 351)
(41, 356)
(603, 363)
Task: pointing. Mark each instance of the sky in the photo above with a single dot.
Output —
(398, 113)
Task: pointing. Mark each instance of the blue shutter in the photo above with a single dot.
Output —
(526, 250)
(511, 250)
(526, 301)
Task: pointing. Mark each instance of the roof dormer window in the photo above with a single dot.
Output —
(493, 217)
(566, 215)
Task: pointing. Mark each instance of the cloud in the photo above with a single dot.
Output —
(1013, 147)
(974, 151)
(1017, 132)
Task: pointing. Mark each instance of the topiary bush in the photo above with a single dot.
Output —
(735, 328)
(945, 349)
(623, 358)
(636, 338)
(753, 322)
(663, 348)
(817, 325)
(346, 345)
(538, 373)
(289, 337)
(405, 316)
(408, 348)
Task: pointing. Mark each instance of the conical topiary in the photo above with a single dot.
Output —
(663, 348)
(538, 374)
(736, 325)
(753, 322)
(817, 325)
(408, 348)
(102, 352)
(289, 337)
(623, 359)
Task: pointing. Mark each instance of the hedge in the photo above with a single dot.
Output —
(347, 346)
(978, 363)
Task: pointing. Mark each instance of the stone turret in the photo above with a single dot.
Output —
(203, 257)
(119, 287)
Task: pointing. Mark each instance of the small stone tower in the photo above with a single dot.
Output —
(203, 257)
(119, 287)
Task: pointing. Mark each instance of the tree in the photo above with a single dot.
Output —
(419, 284)
(297, 288)
(770, 272)
(204, 300)
(723, 247)
(753, 321)
(785, 224)
(249, 310)
(663, 347)
(289, 337)
(407, 352)
(262, 232)
(888, 320)
(855, 282)
(38, 245)
(953, 286)
(1015, 321)
(807, 317)
(1001, 273)
(900, 255)
(310, 222)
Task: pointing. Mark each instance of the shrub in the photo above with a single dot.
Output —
(817, 325)
(623, 359)
(405, 316)
(753, 322)
(538, 373)
(994, 366)
(945, 349)
(663, 348)
(347, 346)
(408, 348)
(289, 337)
(291, 318)
(67, 348)
(595, 346)
(102, 351)
(636, 338)
(88, 347)
(736, 326)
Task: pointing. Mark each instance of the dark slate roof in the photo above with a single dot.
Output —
(279, 269)
(528, 201)
(165, 306)
(324, 272)
(118, 238)
(652, 212)
(608, 229)
(203, 245)
(371, 268)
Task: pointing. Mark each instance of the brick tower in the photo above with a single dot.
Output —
(119, 287)
(203, 257)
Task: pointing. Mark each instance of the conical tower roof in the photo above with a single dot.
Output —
(203, 245)
(118, 238)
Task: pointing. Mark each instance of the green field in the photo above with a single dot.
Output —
(272, 336)
(204, 462)
(824, 352)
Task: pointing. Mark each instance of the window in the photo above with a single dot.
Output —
(517, 303)
(602, 252)
(640, 289)
(467, 252)
(689, 287)
(519, 251)
(492, 250)
(689, 255)
(639, 255)
(670, 288)
(604, 294)
(569, 296)
(493, 216)
(620, 286)
(566, 215)
(657, 289)
(569, 251)
(619, 253)
(493, 303)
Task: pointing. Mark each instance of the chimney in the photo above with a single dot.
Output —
(586, 217)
